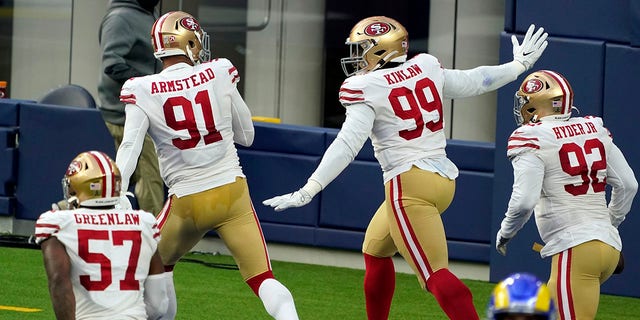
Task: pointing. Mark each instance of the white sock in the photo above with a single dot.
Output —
(277, 300)
(173, 303)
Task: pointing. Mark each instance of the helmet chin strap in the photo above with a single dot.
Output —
(534, 119)
(73, 202)
(190, 55)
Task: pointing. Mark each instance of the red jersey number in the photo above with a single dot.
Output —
(189, 122)
(118, 238)
(417, 99)
(589, 174)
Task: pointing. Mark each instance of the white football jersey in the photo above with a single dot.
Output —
(572, 208)
(110, 253)
(409, 120)
(190, 121)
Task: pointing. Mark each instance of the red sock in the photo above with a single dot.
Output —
(379, 283)
(453, 296)
(256, 281)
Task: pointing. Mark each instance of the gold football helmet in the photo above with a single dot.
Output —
(373, 42)
(179, 33)
(92, 180)
(543, 93)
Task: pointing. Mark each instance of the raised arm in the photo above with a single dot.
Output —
(483, 79)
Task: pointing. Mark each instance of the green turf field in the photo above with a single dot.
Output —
(211, 290)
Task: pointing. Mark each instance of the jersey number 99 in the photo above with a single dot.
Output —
(423, 96)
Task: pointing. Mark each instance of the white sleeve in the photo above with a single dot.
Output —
(135, 129)
(479, 80)
(243, 131)
(352, 136)
(624, 185)
(156, 299)
(528, 173)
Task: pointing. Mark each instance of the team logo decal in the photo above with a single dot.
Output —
(532, 85)
(190, 23)
(74, 168)
(377, 29)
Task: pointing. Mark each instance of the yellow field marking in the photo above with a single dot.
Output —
(266, 119)
(19, 309)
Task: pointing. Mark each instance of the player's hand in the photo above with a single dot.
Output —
(124, 202)
(531, 48)
(501, 244)
(295, 199)
(289, 200)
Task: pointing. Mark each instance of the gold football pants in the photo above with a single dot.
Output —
(409, 222)
(227, 210)
(576, 276)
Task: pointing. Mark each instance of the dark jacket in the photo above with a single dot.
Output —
(125, 41)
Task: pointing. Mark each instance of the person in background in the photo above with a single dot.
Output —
(398, 103)
(126, 52)
(561, 167)
(194, 114)
(521, 296)
(101, 262)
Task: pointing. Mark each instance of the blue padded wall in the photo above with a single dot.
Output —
(9, 110)
(593, 19)
(634, 11)
(620, 114)
(279, 161)
(353, 197)
(467, 216)
(480, 160)
(270, 174)
(50, 137)
(8, 161)
(509, 15)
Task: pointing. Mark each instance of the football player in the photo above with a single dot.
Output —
(398, 102)
(521, 296)
(561, 166)
(194, 114)
(99, 260)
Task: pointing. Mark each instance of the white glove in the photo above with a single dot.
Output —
(531, 48)
(501, 243)
(124, 202)
(295, 199)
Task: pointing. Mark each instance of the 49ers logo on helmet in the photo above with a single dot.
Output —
(377, 29)
(190, 23)
(532, 85)
(74, 168)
